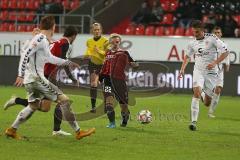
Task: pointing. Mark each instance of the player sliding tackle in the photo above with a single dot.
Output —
(205, 48)
(40, 91)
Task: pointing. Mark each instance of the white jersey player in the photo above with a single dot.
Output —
(223, 66)
(40, 91)
(205, 47)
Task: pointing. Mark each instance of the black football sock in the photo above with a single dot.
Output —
(21, 101)
(57, 118)
(93, 94)
(93, 102)
(125, 117)
(110, 114)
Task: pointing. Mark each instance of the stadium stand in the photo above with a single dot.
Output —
(154, 17)
(21, 15)
(177, 15)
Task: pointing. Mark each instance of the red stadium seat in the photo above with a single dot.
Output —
(74, 4)
(237, 19)
(3, 15)
(12, 27)
(165, 5)
(30, 4)
(130, 30)
(29, 28)
(36, 5)
(4, 4)
(189, 32)
(21, 4)
(12, 4)
(66, 5)
(30, 16)
(167, 19)
(4, 27)
(12, 16)
(179, 31)
(169, 31)
(140, 30)
(159, 31)
(21, 28)
(149, 30)
(173, 6)
(22, 16)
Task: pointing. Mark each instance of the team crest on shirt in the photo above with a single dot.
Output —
(34, 45)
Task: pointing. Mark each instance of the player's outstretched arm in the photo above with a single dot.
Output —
(184, 65)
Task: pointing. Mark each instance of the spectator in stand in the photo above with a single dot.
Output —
(156, 13)
(220, 20)
(180, 14)
(229, 26)
(192, 11)
(211, 21)
(41, 10)
(143, 15)
(55, 8)
(237, 33)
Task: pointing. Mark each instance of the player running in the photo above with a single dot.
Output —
(60, 48)
(96, 49)
(225, 65)
(113, 78)
(40, 91)
(205, 47)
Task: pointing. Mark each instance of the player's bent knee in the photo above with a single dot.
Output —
(196, 92)
(62, 98)
(218, 90)
(207, 103)
(45, 105)
(207, 100)
(197, 95)
(34, 105)
(109, 100)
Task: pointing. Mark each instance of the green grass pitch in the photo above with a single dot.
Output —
(166, 138)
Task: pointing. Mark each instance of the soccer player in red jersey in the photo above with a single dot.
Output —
(59, 48)
(113, 77)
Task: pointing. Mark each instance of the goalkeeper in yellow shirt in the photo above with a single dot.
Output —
(96, 49)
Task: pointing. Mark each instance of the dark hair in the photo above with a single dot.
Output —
(197, 24)
(47, 23)
(70, 31)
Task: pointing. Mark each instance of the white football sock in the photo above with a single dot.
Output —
(22, 116)
(69, 116)
(194, 109)
(214, 102)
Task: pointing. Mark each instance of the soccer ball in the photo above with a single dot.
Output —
(144, 116)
